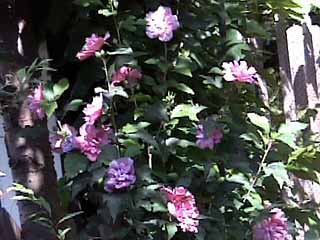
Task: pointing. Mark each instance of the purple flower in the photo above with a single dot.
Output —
(64, 140)
(127, 76)
(240, 72)
(208, 135)
(272, 228)
(121, 174)
(161, 24)
(35, 101)
(92, 45)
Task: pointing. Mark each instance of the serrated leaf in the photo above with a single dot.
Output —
(279, 172)
(116, 203)
(75, 163)
(260, 121)
(181, 86)
(187, 110)
(132, 128)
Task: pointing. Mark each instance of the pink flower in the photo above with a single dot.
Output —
(64, 140)
(127, 76)
(182, 205)
(161, 24)
(92, 139)
(92, 45)
(235, 71)
(272, 228)
(94, 110)
(35, 102)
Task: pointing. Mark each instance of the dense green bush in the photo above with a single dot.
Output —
(168, 132)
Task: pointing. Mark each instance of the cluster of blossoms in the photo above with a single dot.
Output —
(274, 227)
(92, 139)
(64, 141)
(126, 76)
(182, 205)
(239, 72)
(35, 101)
(93, 44)
(120, 175)
(161, 24)
(94, 110)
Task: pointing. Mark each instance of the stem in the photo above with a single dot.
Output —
(149, 157)
(113, 119)
(255, 179)
(105, 69)
(116, 24)
(166, 61)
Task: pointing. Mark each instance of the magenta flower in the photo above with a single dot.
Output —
(93, 44)
(208, 136)
(91, 140)
(64, 140)
(161, 24)
(94, 110)
(182, 205)
(120, 175)
(126, 76)
(235, 71)
(272, 228)
(35, 102)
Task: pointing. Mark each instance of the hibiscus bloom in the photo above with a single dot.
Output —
(121, 174)
(93, 44)
(182, 205)
(161, 24)
(92, 139)
(240, 72)
(94, 110)
(274, 227)
(127, 76)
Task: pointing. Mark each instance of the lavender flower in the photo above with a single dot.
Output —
(272, 228)
(208, 135)
(121, 174)
(161, 24)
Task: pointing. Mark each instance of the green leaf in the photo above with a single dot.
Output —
(88, 3)
(109, 153)
(116, 203)
(107, 12)
(181, 86)
(69, 216)
(121, 51)
(292, 127)
(187, 110)
(279, 172)
(172, 229)
(74, 105)
(75, 163)
(260, 121)
(60, 87)
(49, 107)
(132, 128)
